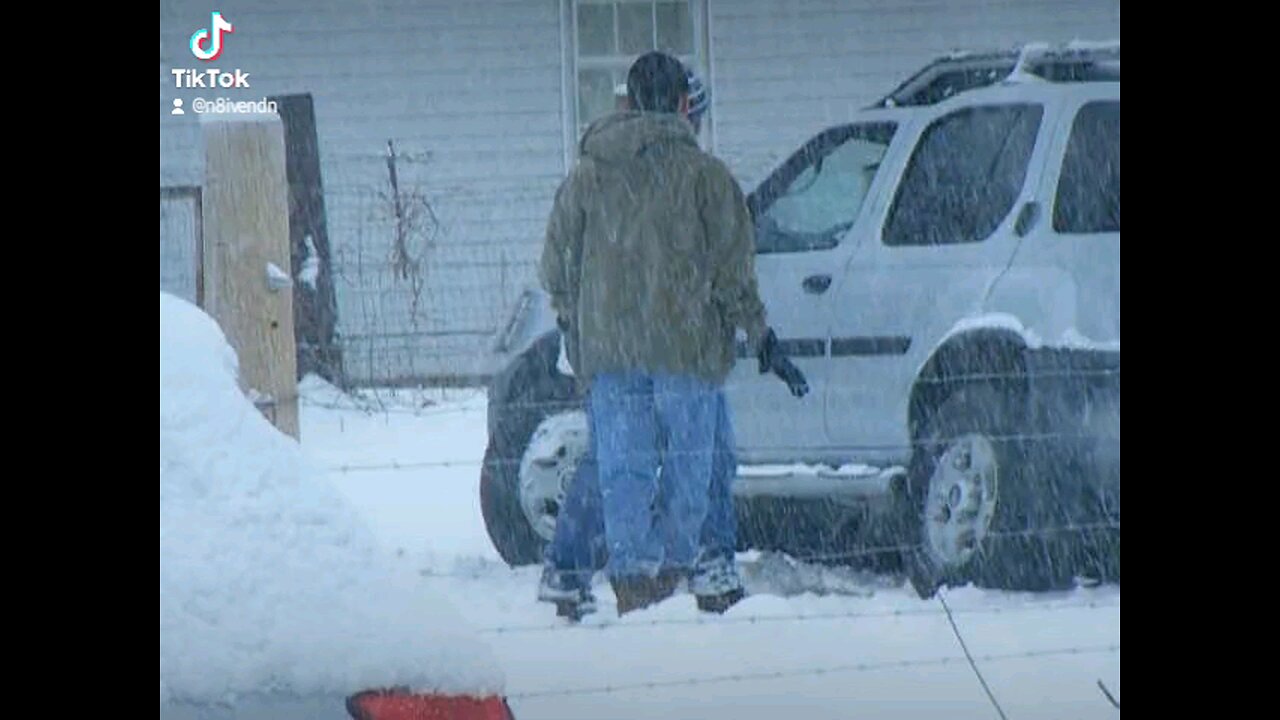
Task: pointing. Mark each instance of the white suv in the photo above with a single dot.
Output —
(945, 269)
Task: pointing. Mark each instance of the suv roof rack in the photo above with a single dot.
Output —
(1038, 62)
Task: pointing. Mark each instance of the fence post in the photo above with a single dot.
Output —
(248, 274)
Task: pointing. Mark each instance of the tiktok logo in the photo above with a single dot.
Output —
(206, 43)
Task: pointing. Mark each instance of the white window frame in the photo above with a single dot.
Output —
(571, 63)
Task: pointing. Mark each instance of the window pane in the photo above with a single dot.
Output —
(635, 28)
(816, 196)
(964, 176)
(178, 263)
(595, 95)
(1088, 199)
(595, 29)
(675, 27)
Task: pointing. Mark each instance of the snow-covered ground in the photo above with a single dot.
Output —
(813, 642)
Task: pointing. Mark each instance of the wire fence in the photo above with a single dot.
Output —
(942, 608)
(816, 671)
(893, 549)
(428, 265)
(609, 626)
(398, 465)
(973, 664)
(967, 657)
(402, 401)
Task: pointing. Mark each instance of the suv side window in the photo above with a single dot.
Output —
(1088, 197)
(964, 176)
(816, 195)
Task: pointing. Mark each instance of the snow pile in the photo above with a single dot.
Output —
(268, 582)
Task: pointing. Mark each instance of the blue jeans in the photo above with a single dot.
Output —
(579, 547)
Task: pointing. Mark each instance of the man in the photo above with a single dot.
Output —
(577, 551)
(649, 263)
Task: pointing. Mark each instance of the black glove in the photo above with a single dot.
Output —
(768, 350)
(772, 359)
(791, 375)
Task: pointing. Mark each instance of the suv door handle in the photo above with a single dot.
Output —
(817, 284)
(1027, 218)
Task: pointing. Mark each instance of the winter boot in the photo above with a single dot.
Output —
(716, 585)
(638, 592)
(571, 596)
